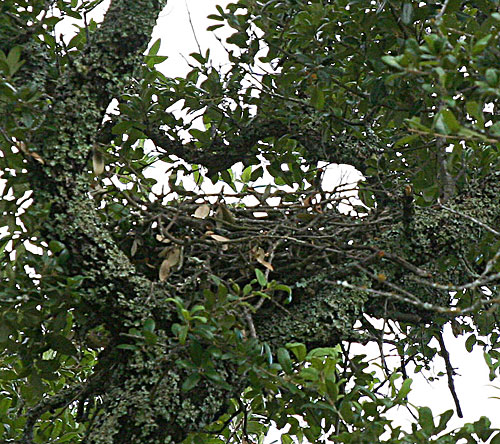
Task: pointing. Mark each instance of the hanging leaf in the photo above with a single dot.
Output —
(97, 162)
(133, 250)
(173, 259)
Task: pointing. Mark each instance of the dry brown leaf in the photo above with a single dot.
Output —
(97, 162)
(309, 200)
(163, 239)
(37, 157)
(21, 146)
(226, 214)
(266, 264)
(173, 256)
(259, 255)
(133, 250)
(202, 211)
(173, 259)
(219, 238)
(164, 270)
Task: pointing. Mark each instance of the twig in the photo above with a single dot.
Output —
(192, 27)
(251, 325)
(450, 372)
(440, 15)
(472, 219)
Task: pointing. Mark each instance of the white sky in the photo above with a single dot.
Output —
(472, 384)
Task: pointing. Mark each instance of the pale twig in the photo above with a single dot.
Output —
(472, 219)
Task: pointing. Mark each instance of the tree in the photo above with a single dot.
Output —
(133, 316)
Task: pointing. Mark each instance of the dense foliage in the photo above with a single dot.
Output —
(135, 313)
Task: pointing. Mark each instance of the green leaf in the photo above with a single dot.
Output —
(475, 109)
(495, 439)
(61, 344)
(318, 98)
(151, 61)
(491, 76)
(191, 381)
(261, 278)
(426, 420)
(56, 246)
(481, 44)
(443, 420)
(257, 174)
(391, 61)
(285, 361)
(149, 325)
(127, 347)
(482, 428)
(298, 349)
(122, 127)
(239, 39)
(446, 122)
(406, 139)
(470, 342)
(154, 48)
(405, 389)
(246, 174)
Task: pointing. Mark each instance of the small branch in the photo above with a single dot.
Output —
(251, 325)
(440, 15)
(450, 137)
(450, 372)
(63, 398)
(472, 219)
(192, 28)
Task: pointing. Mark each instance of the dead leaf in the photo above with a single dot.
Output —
(37, 157)
(259, 254)
(97, 162)
(226, 214)
(219, 238)
(163, 239)
(164, 270)
(173, 258)
(266, 264)
(22, 147)
(202, 211)
(309, 201)
(133, 250)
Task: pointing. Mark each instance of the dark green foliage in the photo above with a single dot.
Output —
(130, 314)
